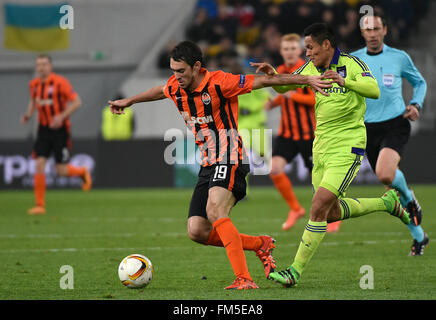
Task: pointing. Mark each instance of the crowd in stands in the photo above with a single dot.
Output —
(250, 30)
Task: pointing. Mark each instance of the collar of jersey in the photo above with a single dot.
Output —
(335, 60)
(50, 77)
(204, 81)
(291, 69)
(376, 54)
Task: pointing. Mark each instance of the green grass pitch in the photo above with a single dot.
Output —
(93, 231)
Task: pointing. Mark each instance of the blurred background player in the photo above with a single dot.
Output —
(252, 116)
(296, 130)
(388, 119)
(117, 128)
(54, 98)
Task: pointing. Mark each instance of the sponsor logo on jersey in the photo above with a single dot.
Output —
(196, 120)
(44, 101)
(340, 90)
(367, 74)
(342, 71)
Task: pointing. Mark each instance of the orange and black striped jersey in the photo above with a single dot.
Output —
(297, 120)
(51, 97)
(211, 112)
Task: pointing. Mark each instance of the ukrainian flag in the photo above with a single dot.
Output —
(34, 27)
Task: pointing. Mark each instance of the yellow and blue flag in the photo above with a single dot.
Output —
(34, 27)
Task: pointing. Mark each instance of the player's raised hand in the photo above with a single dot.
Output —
(24, 118)
(330, 74)
(318, 83)
(269, 104)
(118, 106)
(412, 113)
(264, 67)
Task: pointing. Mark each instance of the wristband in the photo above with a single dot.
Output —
(416, 106)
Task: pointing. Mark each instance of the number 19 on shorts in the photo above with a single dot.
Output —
(220, 172)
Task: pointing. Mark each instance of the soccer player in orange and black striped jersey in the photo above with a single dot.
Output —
(296, 129)
(54, 98)
(208, 103)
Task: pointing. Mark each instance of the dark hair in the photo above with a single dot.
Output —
(44, 56)
(187, 51)
(382, 18)
(320, 32)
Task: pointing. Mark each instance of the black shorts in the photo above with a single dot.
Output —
(53, 140)
(228, 176)
(288, 149)
(392, 134)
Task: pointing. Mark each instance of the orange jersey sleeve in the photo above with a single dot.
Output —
(234, 85)
(277, 100)
(67, 90)
(307, 99)
(33, 89)
(168, 86)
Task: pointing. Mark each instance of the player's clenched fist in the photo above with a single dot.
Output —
(118, 106)
(264, 67)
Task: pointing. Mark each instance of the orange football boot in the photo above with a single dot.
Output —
(265, 254)
(242, 284)
(293, 216)
(37, 210)
(334, 226)
(87, 181)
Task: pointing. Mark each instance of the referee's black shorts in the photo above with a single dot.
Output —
(56, 141)
(393, 133)
(288, 148)
(228, 176)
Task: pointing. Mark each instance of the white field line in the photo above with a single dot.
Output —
(159, 234)
(325, 243)
(156, 219)
(93, 235)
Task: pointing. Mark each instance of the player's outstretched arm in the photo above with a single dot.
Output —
(292, 81)
(268, 69)
(153, 94)
(282, 83)
(30, 110)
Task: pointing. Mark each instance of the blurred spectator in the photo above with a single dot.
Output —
(244, 12)
(226, 52)
(201, 28)
(163, 60)
(349, 31)
(255, 54)
(251, 29)
(210, 6)
(224, 25)
(401, 12)
(271, 38)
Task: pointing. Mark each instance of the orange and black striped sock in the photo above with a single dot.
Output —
(231, 240)
(39, 189)
(75, 171)
(284, 186)
(252, 243)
